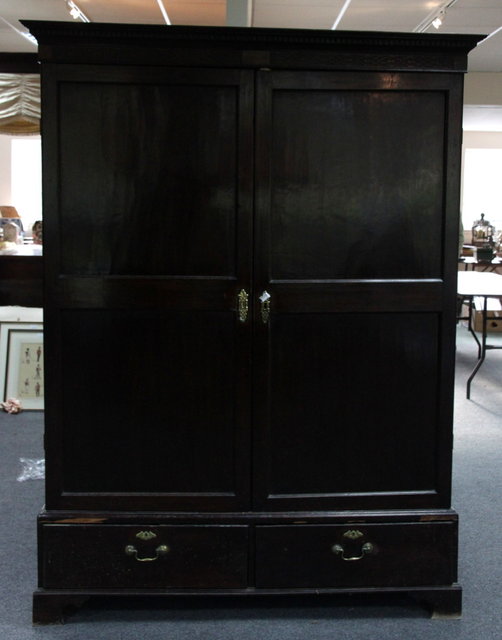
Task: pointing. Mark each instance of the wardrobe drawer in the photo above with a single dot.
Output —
(123, 556)
(373, 555)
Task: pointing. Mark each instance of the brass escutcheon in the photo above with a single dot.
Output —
(243, 305)
(265, 306)
(353, 534)
(146, 535)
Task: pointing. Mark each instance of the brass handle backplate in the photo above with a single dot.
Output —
(367, 548)
(265, 299)
(243, 305)
(161, 550)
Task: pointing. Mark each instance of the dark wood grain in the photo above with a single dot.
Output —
(21, 281)
(19, 62)
(400, 555)
(155, 271)
(354, 191)
(140, 213)
(165, 394)
(339, 377)
(346, 424)
(154, 45)
(196, 557)
(182, 167)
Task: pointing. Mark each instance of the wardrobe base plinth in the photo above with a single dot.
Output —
(52, 606)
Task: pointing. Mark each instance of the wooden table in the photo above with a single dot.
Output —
(486, 285)
(486, 265)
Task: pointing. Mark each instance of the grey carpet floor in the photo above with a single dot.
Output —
(477, 491)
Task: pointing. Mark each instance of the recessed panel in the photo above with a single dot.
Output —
(357, 184)
(149, 401)
(353, 400)
(148, 179)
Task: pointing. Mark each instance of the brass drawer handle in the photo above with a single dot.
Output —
(366, 549)
(161, 550)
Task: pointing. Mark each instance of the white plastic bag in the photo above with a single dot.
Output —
(31, 469)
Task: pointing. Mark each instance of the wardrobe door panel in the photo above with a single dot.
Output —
(148, 239)
(346, 187)
(148, 178)
(354, 346)
(175, 432)
(352, 398)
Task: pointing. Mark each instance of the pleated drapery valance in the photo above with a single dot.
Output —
(19, 103)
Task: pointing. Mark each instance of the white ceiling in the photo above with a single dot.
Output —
(462, 16)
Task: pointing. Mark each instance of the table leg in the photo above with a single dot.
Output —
(481, 348)
(469, 325)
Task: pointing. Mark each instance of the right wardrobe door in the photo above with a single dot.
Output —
(354, 347)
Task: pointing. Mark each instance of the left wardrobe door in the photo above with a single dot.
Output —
(147, 229)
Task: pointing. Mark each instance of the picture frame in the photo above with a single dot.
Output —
(22, 358)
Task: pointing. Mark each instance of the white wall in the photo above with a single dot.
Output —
(5, 172)
(488, 196)
(483, 140)
(15, 189)
(483, 88)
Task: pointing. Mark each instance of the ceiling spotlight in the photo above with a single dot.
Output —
(436, 17)
(75, 11)
(438, 20)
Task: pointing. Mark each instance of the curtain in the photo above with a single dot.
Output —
(19, 103)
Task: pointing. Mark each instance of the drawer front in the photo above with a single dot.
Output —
(161, 556)
(374, 555)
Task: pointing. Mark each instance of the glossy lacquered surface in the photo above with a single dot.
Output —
(146, 287)
(355, 191)
(372, 555)
(250, 274)
(161, 192)
(340, 224)
(166, 556)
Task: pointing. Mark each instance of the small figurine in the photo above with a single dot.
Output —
(36, 231)
(10, 236)
(482, 232)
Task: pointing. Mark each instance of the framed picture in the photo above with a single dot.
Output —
(22, 358)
